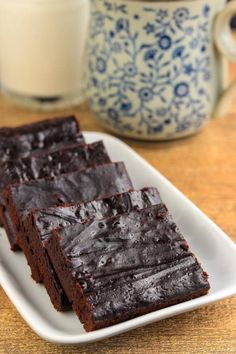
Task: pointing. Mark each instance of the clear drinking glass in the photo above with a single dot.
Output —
(42, 48)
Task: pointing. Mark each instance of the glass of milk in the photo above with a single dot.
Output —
(42, 49)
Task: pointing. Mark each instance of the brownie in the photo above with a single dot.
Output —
(39, 224)
(118, 268)
(44, 135)
(51, 164)
(90, 184)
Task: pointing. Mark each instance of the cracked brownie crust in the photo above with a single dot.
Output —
(50, 164)
(44, 135)
(39, 225)
(93, 183)
(122, 267)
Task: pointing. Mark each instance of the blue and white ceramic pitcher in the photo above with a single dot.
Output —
(155, 68)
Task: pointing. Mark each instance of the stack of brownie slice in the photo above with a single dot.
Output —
(108, 251)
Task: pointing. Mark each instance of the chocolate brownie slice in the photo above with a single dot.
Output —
(39, 224)
(44, 135)
(90, 184)
(48, 164)
(125, 266)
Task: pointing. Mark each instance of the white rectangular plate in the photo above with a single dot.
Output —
(214, 249)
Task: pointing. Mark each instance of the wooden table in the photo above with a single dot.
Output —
(203, 167)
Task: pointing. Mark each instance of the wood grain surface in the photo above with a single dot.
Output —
(203, 167)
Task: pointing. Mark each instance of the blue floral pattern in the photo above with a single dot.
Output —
(156, 81)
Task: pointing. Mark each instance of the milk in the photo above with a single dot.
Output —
(42, 46)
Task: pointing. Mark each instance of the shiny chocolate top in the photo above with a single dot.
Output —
(59, 217)
(90, 184)
(130, 262)
(51, 164)
(32, 138)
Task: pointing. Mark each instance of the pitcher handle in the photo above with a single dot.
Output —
(227, 47)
